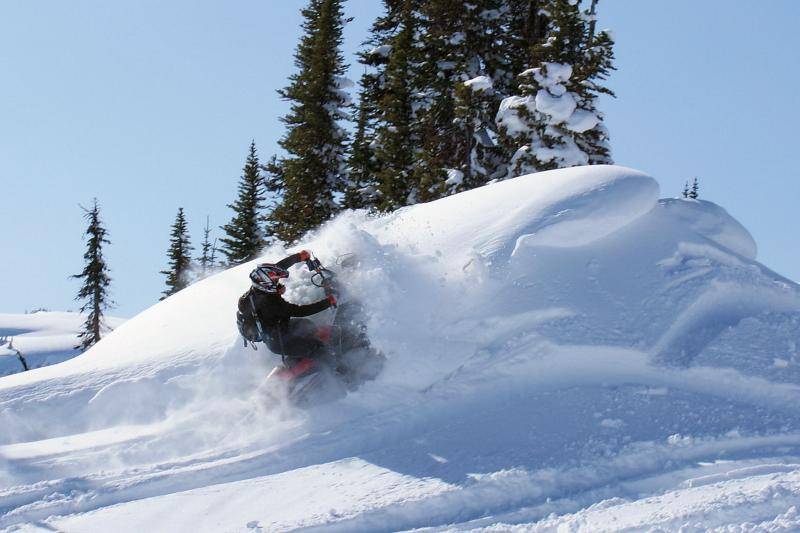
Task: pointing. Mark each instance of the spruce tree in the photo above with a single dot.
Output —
(208, 251)
(361, 164)
(527, 24)
(397, 139)
(314, 169)
(179, 254)
(460, 58)
(244, 236)
(449, 100)
(553, 121)
(686, 190)
(96, 280)
(437, 73)
(273, 182)
(478, 155)
(434, 76)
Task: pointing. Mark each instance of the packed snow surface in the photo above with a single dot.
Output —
(565, 351)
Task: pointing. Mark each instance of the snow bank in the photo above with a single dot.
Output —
(557, 343)
(712, 222)
(567, 208)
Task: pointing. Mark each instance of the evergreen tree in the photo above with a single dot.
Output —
(694, 194)
(438, 71)
(459, 93)
(314, 170)
(244, 236)
(361, 164)
(208, 251)
(686, 190)
(526, 25)
(553, 121)
(273, 181)
(396, 133)
(434, 77)
(179, 254)
(460, 60)
(478, 155)
(390, 97)
(96, 279)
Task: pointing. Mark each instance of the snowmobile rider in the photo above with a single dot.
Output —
(285, 333)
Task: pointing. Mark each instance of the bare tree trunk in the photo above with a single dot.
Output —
(22, 360)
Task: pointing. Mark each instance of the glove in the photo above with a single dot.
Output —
(332, 299)
(305, 255)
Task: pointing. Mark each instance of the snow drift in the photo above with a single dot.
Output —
(552, 341)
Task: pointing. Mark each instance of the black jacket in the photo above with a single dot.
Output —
(272, 310)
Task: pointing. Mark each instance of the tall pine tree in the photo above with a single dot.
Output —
(244, 235)
(96, 279)
(314, 169)
(179, 254)
(397, 135)
(360, 190)
(459, 51)
(364, 162)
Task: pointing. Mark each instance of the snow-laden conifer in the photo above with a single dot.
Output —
(314, 169)
(460, 50)
(360, 190)
(396, 132)
(478, 153)
(553, 122)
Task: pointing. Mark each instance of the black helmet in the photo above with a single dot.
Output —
(266, 277)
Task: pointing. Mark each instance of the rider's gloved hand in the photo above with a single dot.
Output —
(305, 255)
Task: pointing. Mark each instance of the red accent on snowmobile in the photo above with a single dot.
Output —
(297, 370)
(324, 333)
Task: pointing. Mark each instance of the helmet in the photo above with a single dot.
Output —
(266, 277)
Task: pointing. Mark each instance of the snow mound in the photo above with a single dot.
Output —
(712, 222)
(563, 349)
(568, 207)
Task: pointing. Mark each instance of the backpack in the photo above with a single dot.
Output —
(248, 327)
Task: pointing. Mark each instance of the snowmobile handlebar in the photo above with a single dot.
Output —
(321, 277)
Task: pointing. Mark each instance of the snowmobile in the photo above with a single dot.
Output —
(345, 360)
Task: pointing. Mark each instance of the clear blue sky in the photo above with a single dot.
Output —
(151, 105)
